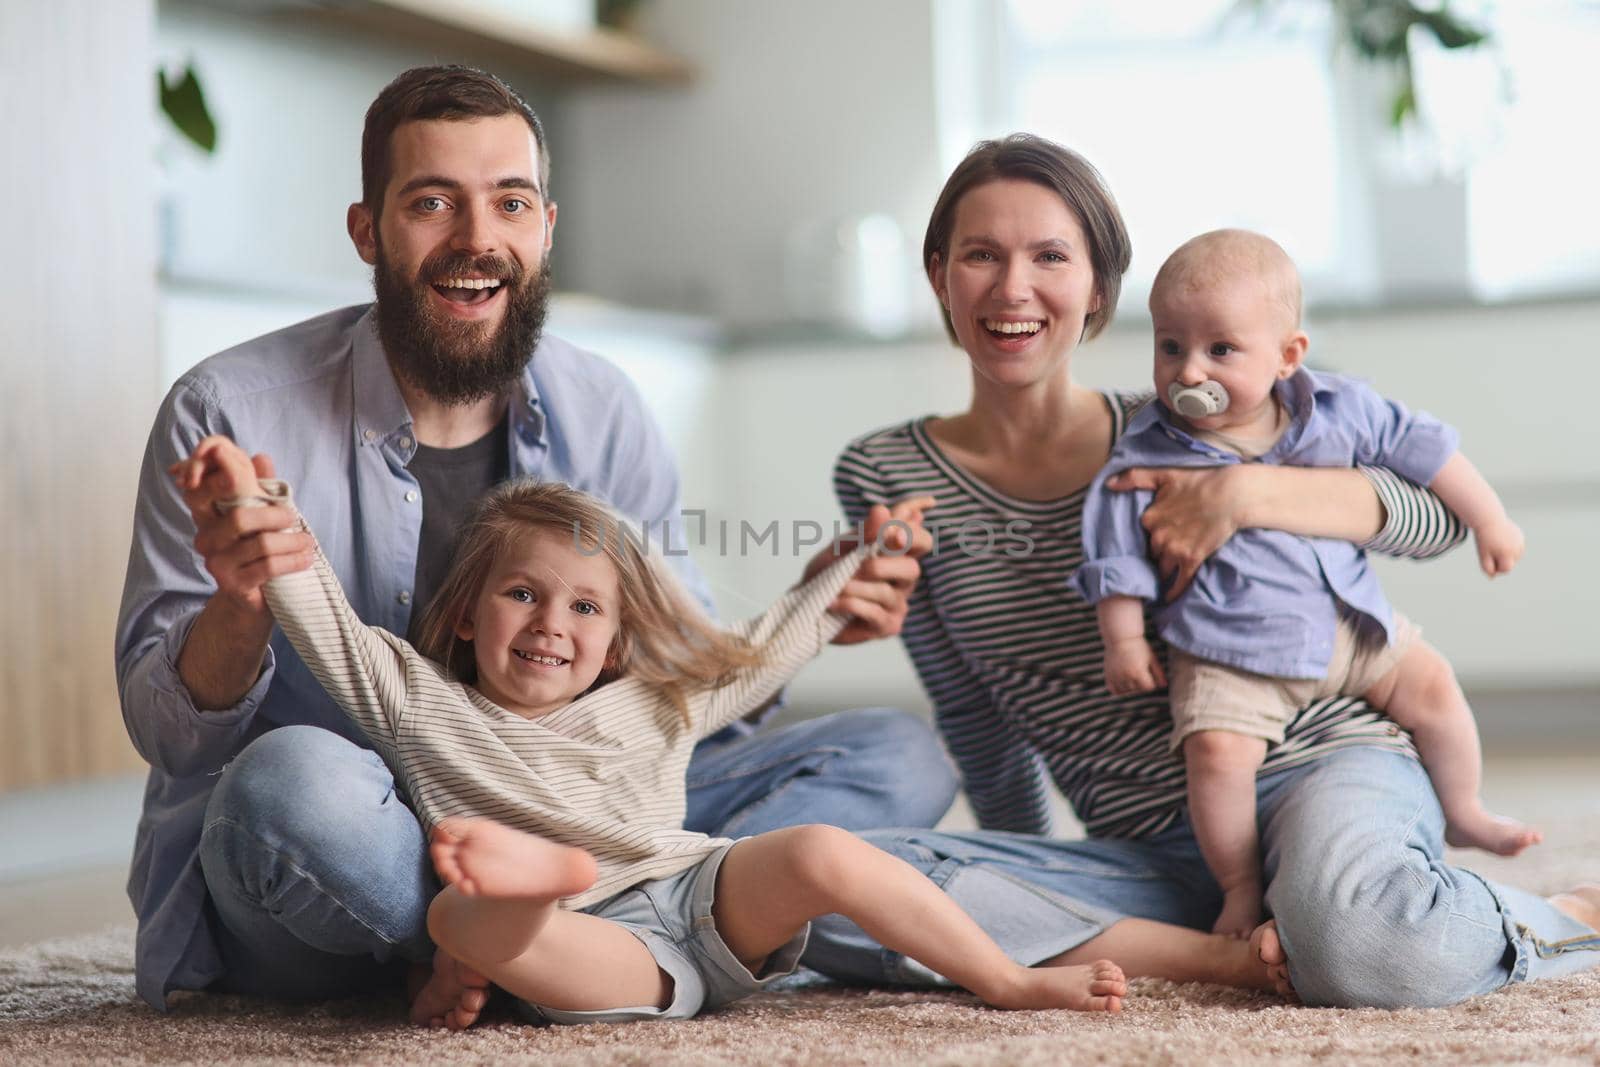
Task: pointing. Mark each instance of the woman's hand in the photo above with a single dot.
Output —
(878, 596)
(1194, 512)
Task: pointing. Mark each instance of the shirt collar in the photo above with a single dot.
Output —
(1298, 392)
(381, 411)
(528, 417)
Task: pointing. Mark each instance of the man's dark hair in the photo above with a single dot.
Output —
(449, 92)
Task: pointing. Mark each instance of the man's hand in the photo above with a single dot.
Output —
(1194, 512)
(1500, 545)
(1132, 667)
(876, 598)
(242, 547)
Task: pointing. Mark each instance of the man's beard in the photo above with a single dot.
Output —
(451, 361)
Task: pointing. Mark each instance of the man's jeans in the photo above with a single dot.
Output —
(1369, 912)
(319, 875)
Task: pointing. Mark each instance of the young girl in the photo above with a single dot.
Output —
(541, 730)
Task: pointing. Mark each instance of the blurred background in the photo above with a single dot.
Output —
(743, 188)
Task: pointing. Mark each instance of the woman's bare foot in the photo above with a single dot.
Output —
(1269, 961)
(1477, 828)
(453, 995)
(1581, 903)
(1097, 986)
(480, 857)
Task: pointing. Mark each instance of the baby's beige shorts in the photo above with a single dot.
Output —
(1210, 696)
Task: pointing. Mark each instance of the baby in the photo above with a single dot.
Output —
(1274, 621)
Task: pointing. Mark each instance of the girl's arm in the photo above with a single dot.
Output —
(789, 635)
(1196, 510)
(364, 669)
(361, 667)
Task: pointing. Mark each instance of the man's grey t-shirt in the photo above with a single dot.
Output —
(451, 481)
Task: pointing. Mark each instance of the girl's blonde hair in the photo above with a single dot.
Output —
(663, 638)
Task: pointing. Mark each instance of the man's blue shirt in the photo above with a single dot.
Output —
(1267, 601)
(320, 399)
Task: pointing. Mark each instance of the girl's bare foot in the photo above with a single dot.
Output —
(453, 995)
(1097, 986)
(482, 858)
(1477, 828)
(1267, 961)
(1582, 903)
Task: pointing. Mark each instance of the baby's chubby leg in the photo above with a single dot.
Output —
(1421, 694)
(1222, 770)
(771, 885)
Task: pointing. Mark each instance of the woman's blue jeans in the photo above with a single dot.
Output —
(1367, 908)
(318, 873)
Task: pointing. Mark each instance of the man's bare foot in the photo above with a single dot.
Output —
(1268, 959)
(1241, 912)
(480, 857)
(453, 995)
(1582, 903)
(1492, 833)
(1097, 986)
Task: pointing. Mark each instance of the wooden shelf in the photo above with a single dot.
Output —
(590, 56)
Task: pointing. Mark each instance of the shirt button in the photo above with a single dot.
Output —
(404, 598)
(411, 496)
(371, 435)
(405, 443)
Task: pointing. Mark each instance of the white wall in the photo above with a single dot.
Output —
(804, 113)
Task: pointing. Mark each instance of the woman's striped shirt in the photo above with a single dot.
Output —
(1011, 656)
(605, 773)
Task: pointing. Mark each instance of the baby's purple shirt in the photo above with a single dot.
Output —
(1266, 601)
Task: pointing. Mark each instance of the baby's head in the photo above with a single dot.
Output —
(1226, 310)
(548, 595)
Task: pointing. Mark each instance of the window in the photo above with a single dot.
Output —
(1201, 115)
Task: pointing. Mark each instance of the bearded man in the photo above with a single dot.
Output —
(275, 856)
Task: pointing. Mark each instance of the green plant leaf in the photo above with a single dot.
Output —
(1404, 106)
(1450, 32)
(185, 104)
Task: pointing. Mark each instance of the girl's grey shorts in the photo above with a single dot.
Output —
(672, 916)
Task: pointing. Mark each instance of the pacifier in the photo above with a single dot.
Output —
(1198, 401)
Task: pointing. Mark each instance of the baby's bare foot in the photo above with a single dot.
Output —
(1268, 964)
(1582, 903)
(1241, 912)
(1492, 833)
(482, 858)
(453, 995)
(1097, 986)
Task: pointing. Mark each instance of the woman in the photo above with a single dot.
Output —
(1025, 251)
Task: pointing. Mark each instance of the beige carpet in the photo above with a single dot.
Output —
(72, 1001)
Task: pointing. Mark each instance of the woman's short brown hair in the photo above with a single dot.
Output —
(446, 92)
(1031, 158)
